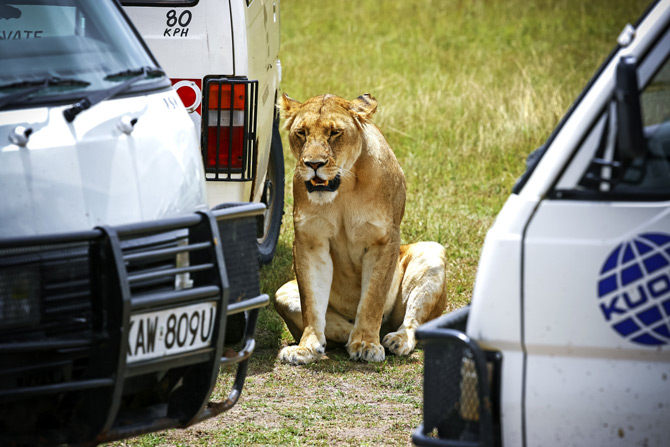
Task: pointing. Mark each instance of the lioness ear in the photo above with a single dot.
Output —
(288, 107)
(364, 106)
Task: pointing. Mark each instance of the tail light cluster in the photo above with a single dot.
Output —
(228, 137)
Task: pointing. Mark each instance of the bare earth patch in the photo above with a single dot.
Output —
(332, 402)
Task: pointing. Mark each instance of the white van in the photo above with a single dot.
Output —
(222, 57)
(567, 338)
(116, 279)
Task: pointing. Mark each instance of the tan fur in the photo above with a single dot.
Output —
(352, 274)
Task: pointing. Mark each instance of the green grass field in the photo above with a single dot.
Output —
(466, 89)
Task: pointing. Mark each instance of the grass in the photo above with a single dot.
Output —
(466, 90)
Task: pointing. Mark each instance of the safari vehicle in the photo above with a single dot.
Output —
(567, 337)
(116, 280)
(222, 57)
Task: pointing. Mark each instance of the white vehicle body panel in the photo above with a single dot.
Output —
(76, 176)
(223, 38)
(262, 42)
(495, 314)
(187, 44)
(500, 319)
(617, 389)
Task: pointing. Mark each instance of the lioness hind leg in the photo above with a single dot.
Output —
(423, 294)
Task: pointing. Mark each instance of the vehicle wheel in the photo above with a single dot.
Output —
(273, 197)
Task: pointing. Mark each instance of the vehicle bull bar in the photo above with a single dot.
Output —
(63, 348)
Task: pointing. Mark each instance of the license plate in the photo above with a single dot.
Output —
(173, 331)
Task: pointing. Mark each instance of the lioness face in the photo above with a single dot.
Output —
(325, 135)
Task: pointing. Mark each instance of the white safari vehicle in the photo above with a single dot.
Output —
(116, 280)
(567, 338)
(222, 57)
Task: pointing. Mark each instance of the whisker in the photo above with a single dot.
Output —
(346, 173)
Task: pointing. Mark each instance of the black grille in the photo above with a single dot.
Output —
(240, 251)
(165, 268)
(460, 387)
(148, 273)
(45, 292)
(451, 399)
(49, 330)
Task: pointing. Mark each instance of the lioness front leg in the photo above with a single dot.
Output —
(379, 264)
(314, 271)
(287, 304)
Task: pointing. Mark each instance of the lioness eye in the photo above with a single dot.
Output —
(335, 133)
(300, 133)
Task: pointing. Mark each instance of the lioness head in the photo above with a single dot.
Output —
(326, 136)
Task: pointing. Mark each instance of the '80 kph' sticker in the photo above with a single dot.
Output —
(177, 23)
(171, 331)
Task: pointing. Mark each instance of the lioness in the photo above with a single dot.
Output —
(352, 274)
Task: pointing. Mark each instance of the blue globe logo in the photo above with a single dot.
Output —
(634, 289)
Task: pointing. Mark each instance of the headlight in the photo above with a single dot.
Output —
(19, 296)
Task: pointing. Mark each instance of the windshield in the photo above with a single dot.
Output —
(72, 48)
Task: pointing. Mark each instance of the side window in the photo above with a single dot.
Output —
(652, 171)
(609, 174)
(655, 102)
(655, 98)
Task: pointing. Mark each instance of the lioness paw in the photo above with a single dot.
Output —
(400, 343)
(366, 351)
(298, 355)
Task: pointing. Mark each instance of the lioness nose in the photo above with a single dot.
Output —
(314, 164)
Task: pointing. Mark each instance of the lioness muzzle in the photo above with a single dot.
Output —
(329, 185)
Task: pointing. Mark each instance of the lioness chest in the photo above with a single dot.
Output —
(350, 230)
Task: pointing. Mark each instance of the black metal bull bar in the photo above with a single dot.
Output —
(68, 302)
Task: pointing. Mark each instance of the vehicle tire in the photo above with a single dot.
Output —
(273, 197)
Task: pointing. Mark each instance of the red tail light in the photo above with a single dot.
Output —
(225, 156)
(225, 126)
(225, 90)
(229, 128)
